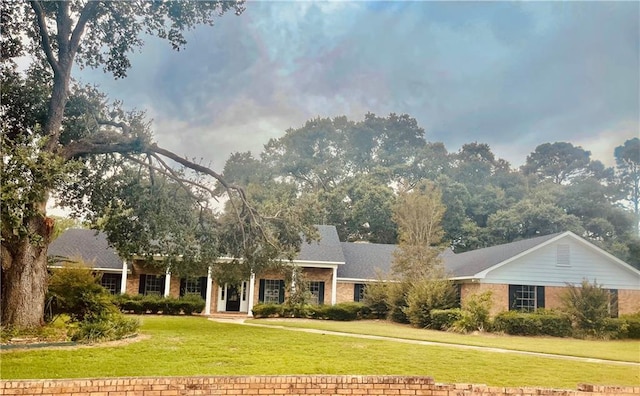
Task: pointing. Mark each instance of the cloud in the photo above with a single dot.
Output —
(513, 75)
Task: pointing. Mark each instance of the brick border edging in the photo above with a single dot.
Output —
(292, 385)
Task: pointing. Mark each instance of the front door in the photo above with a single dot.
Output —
(233, 299)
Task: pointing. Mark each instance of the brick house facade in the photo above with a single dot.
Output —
(524, 275)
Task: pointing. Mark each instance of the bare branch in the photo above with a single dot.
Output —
(126, 129)
(175, 176)
(44, 35)
(102, 143)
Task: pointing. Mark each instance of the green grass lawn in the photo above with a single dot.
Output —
(185, 346)
(623, 350)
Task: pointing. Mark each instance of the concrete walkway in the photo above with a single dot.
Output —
(241, 321)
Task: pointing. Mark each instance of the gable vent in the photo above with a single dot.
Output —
(563, 256)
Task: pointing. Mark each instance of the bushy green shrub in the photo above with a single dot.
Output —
(588, 307)
(475, 314)
(75, 291)
(632, 322)
(191, 303)
(343, 311)
(553, 323)
(540, 322)
(425, 295)
(266, 310)
(152, 304)
(443, 319)
(375, 298)
(108, 328)
(140, 304)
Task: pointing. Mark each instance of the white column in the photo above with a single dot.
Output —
(123, 281)
(167, 283)
(207, 306)
(252, 291)
(334, 286)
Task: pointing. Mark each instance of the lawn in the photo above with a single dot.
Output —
(623, 350)
(186, 346)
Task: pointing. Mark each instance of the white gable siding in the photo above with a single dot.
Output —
(539, 267)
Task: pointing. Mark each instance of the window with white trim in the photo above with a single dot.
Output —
(271, 291)
(526, 298)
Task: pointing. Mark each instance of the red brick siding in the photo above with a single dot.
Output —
(279, 385)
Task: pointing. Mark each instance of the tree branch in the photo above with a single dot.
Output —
(88, 12)
(44, 35)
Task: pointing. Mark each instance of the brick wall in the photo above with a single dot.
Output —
(344, 292)
(285, 385)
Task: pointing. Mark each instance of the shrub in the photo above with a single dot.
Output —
(552, 323)
(343, 311)
(516, 323)
(540, 322)
(397, 301)
(588, 307)
(108, 328)
(318, 311)
(376, 297)
(633, 325)
(75, 291)
(475, 314)
(443, 319)
(171, 306)
(266, 310)
(191, 303)
(425, 295)
(152, 304)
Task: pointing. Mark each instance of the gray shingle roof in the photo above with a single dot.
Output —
(92, 247)
(366, 260)
(362, 260)
(475, 261)
(327, 249)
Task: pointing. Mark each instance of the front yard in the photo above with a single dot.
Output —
(184, 346)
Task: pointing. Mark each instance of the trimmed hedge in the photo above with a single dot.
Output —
(342, 312)
(140, 304)
(536, 323)
(267, 310)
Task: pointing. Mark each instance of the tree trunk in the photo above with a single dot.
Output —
(24, 276)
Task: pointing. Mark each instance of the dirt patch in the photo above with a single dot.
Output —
(65, 345)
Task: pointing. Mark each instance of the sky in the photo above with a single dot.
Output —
(513, 75)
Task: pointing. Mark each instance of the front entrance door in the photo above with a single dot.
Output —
(233, 299)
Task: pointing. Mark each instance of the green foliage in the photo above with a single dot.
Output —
(75, 291)
(588, 307)
(344, 311)
(266, 310)
(475, 314)
(632, 322)
(540, 322)
(376, 297)
(418, 214)
(425, 295)
(140, 304)
(443, 319)
(112, 327)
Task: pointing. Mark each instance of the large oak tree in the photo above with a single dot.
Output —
(61, 139)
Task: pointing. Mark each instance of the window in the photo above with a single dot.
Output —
(317, 292)
(526, 298)
(151, 285)
(563, 255)
(271, 291)
(111, 282)
(358, 292)
(613, 303)
(194, 286)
